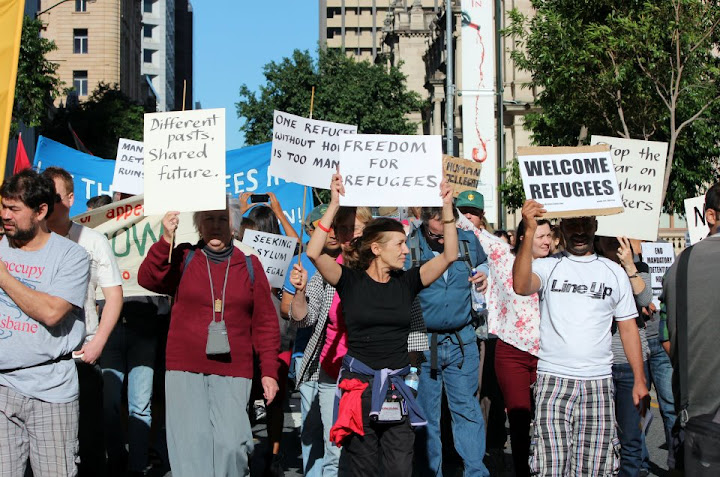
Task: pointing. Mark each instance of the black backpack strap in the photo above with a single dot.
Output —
(414, 246)
(250, 268)
(188, 257)
(465, 249)
(681, 325)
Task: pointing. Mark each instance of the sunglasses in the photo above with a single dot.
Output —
(432, 235)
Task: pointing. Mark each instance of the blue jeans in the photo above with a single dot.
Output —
(460, 386)
(627, 417)
(661, 377)
(317, 404)
(129, 352)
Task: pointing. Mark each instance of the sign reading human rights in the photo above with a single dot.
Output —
(128, 176)
(640, 168)
(306, 151)
(461, 174)
(385, 170)
(695, 217)
(571, 181)
(185, 161)
(274, 251)
(659, 257)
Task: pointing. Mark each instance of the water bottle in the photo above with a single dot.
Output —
(412, 380)
(478, 299)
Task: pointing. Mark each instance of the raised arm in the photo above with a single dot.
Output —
(326, 265)
(278, 210)
(525, 282)
(432, 270)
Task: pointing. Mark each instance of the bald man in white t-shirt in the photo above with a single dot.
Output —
(580, 296)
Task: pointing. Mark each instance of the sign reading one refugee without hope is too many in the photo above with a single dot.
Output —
(274, 251)
(306, 151)
(385, 170)
(571, 181)
(184, 161)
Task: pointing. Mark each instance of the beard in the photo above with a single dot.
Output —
(23, 235)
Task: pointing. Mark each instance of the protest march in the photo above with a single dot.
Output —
(380, 282)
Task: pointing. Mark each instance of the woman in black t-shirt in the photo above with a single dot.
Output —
(376, 296)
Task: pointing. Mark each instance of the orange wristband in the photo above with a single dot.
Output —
(322, 227)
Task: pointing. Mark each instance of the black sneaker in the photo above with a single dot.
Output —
(275, 468)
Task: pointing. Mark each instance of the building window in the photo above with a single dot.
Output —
(148, 6)
(148, 55)
(148, 31)
(81, 5)
(80, 40)
(80, 82)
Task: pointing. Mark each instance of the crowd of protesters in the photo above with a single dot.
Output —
(393, 332)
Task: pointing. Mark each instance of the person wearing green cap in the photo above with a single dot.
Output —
(471, 204)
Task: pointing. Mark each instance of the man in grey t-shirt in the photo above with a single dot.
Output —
(43, 281)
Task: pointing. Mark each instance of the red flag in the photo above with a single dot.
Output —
(21, 158)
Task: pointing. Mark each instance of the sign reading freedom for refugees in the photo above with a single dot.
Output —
(274, 251)
(306, 151)
(640, 168)
(185, 161)
(659, 257)
(461, 174)
(128, 176)
(383, 170)
(570, 181)
(695, 216)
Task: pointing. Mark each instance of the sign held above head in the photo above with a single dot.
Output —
(571, 181)
(129, 166)
(461, 174)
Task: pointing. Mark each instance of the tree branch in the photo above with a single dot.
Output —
(697, 114)
(618, 97)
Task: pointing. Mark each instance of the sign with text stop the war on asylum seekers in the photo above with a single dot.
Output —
(571, 181)
(128, 176)
(385, 170)
(640, 168)
(306, 151)
(185, 161)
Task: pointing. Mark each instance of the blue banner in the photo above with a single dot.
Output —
(246, 171)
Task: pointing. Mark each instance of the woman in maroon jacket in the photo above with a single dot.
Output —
(217, 305)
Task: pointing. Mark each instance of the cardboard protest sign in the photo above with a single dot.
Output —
(128, 176)
(185, 161)
(695, 216)
(659, 257)
(570, 181)
(461, 174)
(385, 170)
(275, 253)
(306, 151)
(640, 168)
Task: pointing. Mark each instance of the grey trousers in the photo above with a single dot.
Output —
(208, 429)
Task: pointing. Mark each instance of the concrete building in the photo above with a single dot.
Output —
(183, 54)
(96, 42)
(158, 50)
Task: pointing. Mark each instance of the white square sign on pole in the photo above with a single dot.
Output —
(129, 177)
(695, 216)
(274, 251)
(659, 257)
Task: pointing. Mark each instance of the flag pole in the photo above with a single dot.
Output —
(302, 217)
(172, 237)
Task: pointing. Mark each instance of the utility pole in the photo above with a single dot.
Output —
(499, 93)
(449, 87)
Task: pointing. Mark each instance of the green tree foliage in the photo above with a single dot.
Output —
(37, 82)
(107, 115)
(628, 68)
(373, 97)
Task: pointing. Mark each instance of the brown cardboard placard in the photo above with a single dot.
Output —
(461, 174)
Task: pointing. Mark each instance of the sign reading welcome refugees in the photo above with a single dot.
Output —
(185, 161)
(128, 176)
(461, 174)
(640, 168)
(571, 181)
(385, 170)
(306, 151)
(274, 251)
(695, 216)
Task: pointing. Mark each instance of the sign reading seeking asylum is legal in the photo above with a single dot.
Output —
(306, 151)
(571, 181)
(274, 251)
(384, 170)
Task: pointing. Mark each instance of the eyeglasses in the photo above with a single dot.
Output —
(432, 235)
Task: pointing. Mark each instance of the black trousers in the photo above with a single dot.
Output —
(384, 450)
(91, 433)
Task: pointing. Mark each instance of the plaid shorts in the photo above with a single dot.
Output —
(575, 431)
(45, 432)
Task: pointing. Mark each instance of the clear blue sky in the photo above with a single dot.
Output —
(233, 39)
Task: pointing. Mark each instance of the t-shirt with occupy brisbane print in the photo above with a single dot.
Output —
(579, 297)
(61, 269)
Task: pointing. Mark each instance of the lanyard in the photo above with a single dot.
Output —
(219, 303)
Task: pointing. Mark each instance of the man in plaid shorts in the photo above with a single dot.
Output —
(580, 295)
(43, 280)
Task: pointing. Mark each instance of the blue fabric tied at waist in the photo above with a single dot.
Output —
(381, 380)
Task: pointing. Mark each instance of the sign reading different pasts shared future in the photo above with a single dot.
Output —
(128, 176)
(461, 174)
(640, 168)
(695, 216)
(570, 181)
(275, 253)
(659, 257)
(384, 170)
(185, 161)
(306, 151)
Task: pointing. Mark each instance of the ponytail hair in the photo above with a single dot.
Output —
(359, 255)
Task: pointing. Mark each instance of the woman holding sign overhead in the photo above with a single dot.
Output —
(376, 296)
(221, 312)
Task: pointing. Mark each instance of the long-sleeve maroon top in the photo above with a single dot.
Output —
(250, 317)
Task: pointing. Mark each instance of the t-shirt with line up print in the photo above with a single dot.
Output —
(579, 297)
